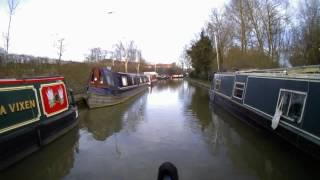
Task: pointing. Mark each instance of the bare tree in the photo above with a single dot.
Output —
(305, 35)
(60, 48)
(237, 12)
(138, 59)
(220, 27)
(12, 5)
(95, 55)
(274, 22)
(186, 58)
(126, 52)
(254, 11)
(119, 52)
(131, 52)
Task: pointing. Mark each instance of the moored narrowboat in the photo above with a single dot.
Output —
(106, 88)
(33, 112)
(284, 101)
(152, 78)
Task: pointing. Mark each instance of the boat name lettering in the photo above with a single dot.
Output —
(18, 106)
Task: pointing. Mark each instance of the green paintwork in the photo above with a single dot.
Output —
(20, 105)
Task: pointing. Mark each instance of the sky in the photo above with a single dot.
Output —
(159, 28)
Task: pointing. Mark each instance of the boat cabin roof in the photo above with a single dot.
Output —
(302, 72)
(31, 80)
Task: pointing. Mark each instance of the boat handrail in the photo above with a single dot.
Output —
(128, 87)
(308, 71)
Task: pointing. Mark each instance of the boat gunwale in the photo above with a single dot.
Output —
(30, 80)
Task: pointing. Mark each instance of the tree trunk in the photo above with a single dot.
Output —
(126, 66)
(254, 22)
(242, 28)
(138, 68)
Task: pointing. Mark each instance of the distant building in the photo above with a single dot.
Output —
(160, 66)
(166, 66)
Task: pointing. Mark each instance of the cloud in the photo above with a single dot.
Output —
(159, 28)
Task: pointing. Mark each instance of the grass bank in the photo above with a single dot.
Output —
(199, 82)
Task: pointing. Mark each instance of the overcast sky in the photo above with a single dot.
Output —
(159, 28)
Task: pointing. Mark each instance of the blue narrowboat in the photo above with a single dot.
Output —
(284, 101)
(33, 112)
(106, 88)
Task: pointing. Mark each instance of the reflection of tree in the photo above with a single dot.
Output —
(135, 114)
(52, 162)
(167, 84)
(200, 107)
(103, 122)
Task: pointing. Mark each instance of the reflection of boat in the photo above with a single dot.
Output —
(175, 76)
(246, 147)
(52, 162)
(33, 112)
(102, 124)
(109, 88)
(288, 102)
(163, 77)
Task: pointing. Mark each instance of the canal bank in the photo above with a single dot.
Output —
(171, 122)
(199, 82)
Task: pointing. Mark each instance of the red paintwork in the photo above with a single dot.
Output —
(57, 103)
(34, 80)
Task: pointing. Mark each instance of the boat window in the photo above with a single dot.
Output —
(133, 81)
(101, 80)
(124, 81)
(92, 77)
(293, 103)
(238, 90)
(140, 80)
(129, 79)
(217, 84)
(96, 75)
(109, 80)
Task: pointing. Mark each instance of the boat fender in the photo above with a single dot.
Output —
(277, 115)
(168, 171)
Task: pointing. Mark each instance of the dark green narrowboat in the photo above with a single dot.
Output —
(33, 112)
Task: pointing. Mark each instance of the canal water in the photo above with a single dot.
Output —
(174, 122)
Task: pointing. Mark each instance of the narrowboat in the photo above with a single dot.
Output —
(177, 76)
(33, 112)
(152, 77)
(106, 88)
(284, 101)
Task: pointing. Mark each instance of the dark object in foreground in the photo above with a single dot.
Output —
(168, 171)
(33, 112)
(106, 88)
(284, 101)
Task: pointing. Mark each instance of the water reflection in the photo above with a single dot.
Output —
(198, 108)
(174, 122)
(103, 122)
(260, 153)
(52, 162)
(248, 150)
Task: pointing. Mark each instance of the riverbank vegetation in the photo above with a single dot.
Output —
(256, 34)
(76, 73)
